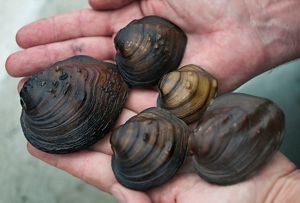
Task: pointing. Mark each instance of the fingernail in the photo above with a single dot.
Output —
(118, 195)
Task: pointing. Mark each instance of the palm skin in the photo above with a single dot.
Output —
(224, 43)
(221, 39)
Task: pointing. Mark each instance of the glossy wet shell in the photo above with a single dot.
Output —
(72, 104)
(148, 48)
(187, 92)
(238, 134)
(149, 149)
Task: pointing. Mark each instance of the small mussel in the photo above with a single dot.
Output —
(72, 104)
(149, 148)
(148, 48)
(187, 92)
(237, 135)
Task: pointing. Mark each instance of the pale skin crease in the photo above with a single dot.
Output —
(229, 40)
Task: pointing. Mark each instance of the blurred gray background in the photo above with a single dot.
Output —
(25, 179)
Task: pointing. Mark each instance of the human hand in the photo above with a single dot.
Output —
(278, 181)
(226, 38)
(223, 40)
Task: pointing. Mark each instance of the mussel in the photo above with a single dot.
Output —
(148, 48)
(149, 148)
(236, 136)
(187, 92)
(72, 104)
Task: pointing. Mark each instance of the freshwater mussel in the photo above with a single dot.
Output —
(71, 104)
(187, 92)
(236, 136)
(149, 148)
(148, 48)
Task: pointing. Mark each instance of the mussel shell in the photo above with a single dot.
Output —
(187, 92)
(238, 134)
(149, 148)
(148, 48)
(72, 104)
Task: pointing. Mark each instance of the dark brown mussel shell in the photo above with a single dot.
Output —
(148, 48)
(149, 149)
(187, 92)
(72, 104)
(238, 134)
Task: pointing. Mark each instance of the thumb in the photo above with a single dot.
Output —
(108, 4)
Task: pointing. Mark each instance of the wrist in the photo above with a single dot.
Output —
(278, 26)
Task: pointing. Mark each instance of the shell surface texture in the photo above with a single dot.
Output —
(72, 104)
(148, 48)
(237, 135)
(149, 149)
(187, 92)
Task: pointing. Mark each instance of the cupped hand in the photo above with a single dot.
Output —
(221, 39)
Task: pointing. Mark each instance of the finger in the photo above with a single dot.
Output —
(21, 83)
(141, 99)
(76, 24)
(108, 4)
(125, 115)
(93, 168)
(32, 60)
(82, 23)
(103, 145)
(123, 194)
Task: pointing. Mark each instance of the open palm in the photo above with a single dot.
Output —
(221, 38)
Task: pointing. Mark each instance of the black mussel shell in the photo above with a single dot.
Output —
(238, 134)
(147, 49)
(72, 104)
(149, 149)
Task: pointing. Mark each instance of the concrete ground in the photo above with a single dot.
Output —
(25, 179)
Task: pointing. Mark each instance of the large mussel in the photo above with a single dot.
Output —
(149, 148)
(187, 92)
(147, 48)
(72, 104)
(236, 136)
